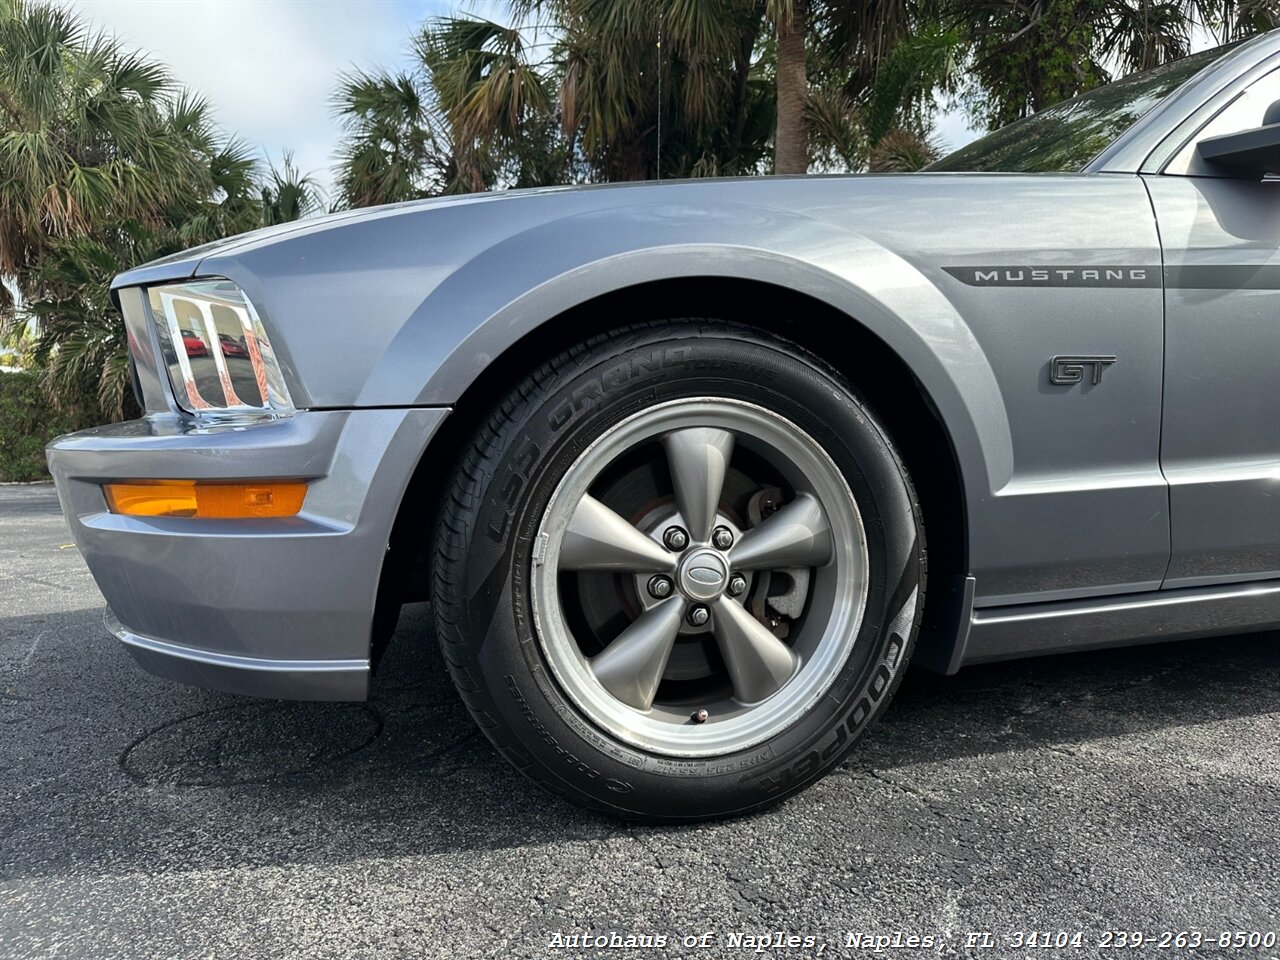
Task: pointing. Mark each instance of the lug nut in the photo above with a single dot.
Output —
(699, 615)
(722, 538)
(700, 715)
(675, 538)
(737, 583)
(659, 587)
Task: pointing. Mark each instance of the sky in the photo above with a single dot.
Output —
(269, 67)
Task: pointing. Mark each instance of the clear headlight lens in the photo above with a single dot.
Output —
(219, 357)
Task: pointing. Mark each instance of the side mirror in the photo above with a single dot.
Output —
(1249, 153)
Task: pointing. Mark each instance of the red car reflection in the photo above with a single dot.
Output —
(231, 347)
(194, 345)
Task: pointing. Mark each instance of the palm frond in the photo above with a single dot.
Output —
(915, 68)
(902, 151)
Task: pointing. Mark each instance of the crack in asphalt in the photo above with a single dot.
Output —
(213, 749)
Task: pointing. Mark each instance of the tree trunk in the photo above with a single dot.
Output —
(790, 139)
(742, 74)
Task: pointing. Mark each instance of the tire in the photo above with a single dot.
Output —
(524, 636)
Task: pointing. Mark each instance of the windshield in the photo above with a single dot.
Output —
(1065, 137)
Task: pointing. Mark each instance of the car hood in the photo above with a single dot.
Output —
(186, 263)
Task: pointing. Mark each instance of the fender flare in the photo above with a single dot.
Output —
(487, 305)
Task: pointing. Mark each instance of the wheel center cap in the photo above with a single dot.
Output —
(703, 575)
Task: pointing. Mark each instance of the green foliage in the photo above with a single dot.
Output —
(1237, 19)
(902, 151)
(288, 194)
(1067, 135)
(1025, 56)
(603, 101)
(391, 151)
(904, 84)
(27, 422)
(86, 135)
(79, 339)
(639, 89)
(106, 163)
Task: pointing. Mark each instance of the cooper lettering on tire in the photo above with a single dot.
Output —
(680, 570)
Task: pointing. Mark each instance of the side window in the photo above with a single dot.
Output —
(1245, 112)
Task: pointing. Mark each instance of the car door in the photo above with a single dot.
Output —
(1220, 439)
(1057, 279)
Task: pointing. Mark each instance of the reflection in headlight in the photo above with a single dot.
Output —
(218, 354)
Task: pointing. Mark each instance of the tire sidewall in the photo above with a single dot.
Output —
(546, 434)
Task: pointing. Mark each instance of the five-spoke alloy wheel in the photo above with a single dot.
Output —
(679, 572)
(772, 670)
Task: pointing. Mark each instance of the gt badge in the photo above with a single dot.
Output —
(1068, 370)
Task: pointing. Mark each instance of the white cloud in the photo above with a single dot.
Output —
(269, 67)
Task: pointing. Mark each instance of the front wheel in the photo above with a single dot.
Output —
(679, 573)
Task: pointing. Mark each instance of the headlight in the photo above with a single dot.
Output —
(219, 358)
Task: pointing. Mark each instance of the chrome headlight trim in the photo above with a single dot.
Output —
(217, 353)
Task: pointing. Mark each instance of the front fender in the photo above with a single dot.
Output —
(505, 292)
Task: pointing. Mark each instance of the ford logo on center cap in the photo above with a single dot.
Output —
(703, 575)
(707, 575)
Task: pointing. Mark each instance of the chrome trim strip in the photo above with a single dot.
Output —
(144, 349)
(197, 401)
(229, 395)
(1032, 629)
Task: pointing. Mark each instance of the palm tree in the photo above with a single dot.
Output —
(390, 153)
(637, 89)
(790, 142)
(873, 67)
(78, 336)
(1025, 55)
(1237, 19)
(626, 90)
(88, 134)
(288, 194)
(105, 163)
(650, 88)
(487, 91)
(902, 151)
(446, 126)
(1144, 34)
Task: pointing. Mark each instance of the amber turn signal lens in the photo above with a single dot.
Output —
(188, 498)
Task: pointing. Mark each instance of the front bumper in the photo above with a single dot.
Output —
(268, 607)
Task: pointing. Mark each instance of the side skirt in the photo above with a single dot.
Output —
(1003, 633)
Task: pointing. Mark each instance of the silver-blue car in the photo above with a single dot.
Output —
(690, 472)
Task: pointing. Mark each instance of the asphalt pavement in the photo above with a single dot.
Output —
(1129, 790)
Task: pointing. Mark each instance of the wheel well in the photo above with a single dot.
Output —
(879, 375)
